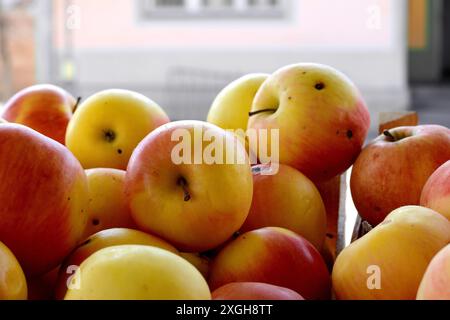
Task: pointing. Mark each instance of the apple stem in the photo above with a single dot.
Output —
(77, 104)
(183, 183)
(388, 134)
(261, 111)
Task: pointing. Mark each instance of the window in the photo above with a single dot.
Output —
(212, 9)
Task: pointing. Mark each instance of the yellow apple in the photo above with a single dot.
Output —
(390, 261)
(13, 285)
(136, 272)
(101, 240)
(196, 207)
(107, 127)
(231, 107)
(107, 205)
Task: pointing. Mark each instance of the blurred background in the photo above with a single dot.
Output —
(180, 53)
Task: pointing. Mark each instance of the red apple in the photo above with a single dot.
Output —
(436, 192)
(276, 256)
(254, 291)
(392, 170)
(43, 196)
(287, 199)
(321, 116)
(435, 284)
(44, 108)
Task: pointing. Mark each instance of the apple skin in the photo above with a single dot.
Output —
(44, 193)
(388, 175)
(42, 288)
(402, 247)
(287, 199)
(254, 291)
(101, 240)
(230, 108)
(435, 284)
(13, 284)
(137, 272)
(322, 119)
(107, 204)
(45, 108)
(107, 127)
(436, 192)
(276, 256)
(220, 194)
(199, 261)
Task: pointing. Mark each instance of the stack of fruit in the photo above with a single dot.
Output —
(108, 199)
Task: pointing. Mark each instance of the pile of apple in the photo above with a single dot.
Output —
(94, 207)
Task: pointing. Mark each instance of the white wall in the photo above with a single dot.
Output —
(379, 70)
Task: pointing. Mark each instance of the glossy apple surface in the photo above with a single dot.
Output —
(275, 256)
(389, 262)
(436, 192)
(107, 127)
(196, 207)
(45, 108)
(136, 272)
(321, 117)
(44, 196)
(254, 291)
(287, 199)
(393, 169)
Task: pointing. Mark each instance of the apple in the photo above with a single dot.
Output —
(137, 272)
(45, 108)
(275, 256)
(321, 117)
(201, 262)
(107, 127)
(435, 284)
(388, 263)
(107, 204)
(393, 169)
(254, 291)
(13, 284)
(43, 287)
(194, 202)
(436, 192)
(101, 240)
(287, 199)
(232, 105)
(44, 195)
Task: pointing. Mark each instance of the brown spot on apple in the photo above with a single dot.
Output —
(95, 222)
(319, 86)
(349, 134)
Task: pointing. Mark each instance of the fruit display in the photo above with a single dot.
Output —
(105, 198)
